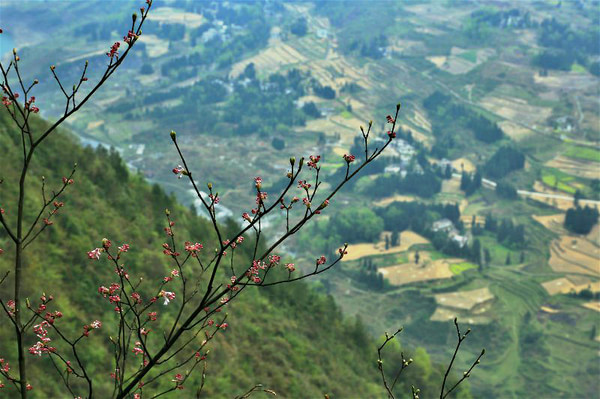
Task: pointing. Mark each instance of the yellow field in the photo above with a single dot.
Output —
(565, 285)
(270, 59)
(396, 198)
(467, 219)
(439, 61)
(407, 240)
(464, 300)
(516, 109)
(551, 222)
(558, 286)
(588, 170)
(461, 163)
(565, 258)
(94, 124)
(155, 46)
(594, 305)
(176, 16)
(470, 306)
(411, 273)
(514, 131)
(561, 80)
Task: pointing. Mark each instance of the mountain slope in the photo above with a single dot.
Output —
(292, 339)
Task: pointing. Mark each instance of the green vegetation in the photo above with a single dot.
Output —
(458, 268)
(470, 56)
(558, 180)
(585, 153)
(107, 201)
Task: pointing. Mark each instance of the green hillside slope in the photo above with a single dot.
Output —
(291, 339)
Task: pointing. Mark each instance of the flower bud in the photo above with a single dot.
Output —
(36, 81)
(209, 185)
(134, 17)
(167, 212)
(398, 106)
(292, 160)
(173, 135)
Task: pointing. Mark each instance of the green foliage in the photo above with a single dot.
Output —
(275, 335)
(356, 224)
(505, 160)
(581, 220)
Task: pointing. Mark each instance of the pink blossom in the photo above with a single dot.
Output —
(349, 158)
(290, 266)
(168, 296)
(114, 51)
(313, 161)
(96, 324)
(178, 170)
(94, 253)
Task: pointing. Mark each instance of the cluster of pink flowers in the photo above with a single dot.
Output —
(67, 181)
(193, 249)
(94, 325)
(349, 158)
(258, 182)
(274, 260)
(136, 349)
(178, 380)
(6, 100)
(174, 273)
(4, 367)
(130, 37)
(342, 251)
(303, 184)
(50, 317)
(95, 253)
(136, 298)
(215, 199)
(152, 316)
(290, 267)
(167, 248)
(114, 51)
(322, 260)
(10, 304)
(261, 196)
(254, 270)
(246, 217)
(168, 296)
(29, 105)
(41, 346)
(111, 293)
(313, 161)
(178, 170)
(391, 134)
(231, 286)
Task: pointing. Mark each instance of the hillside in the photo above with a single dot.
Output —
(291, 339)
